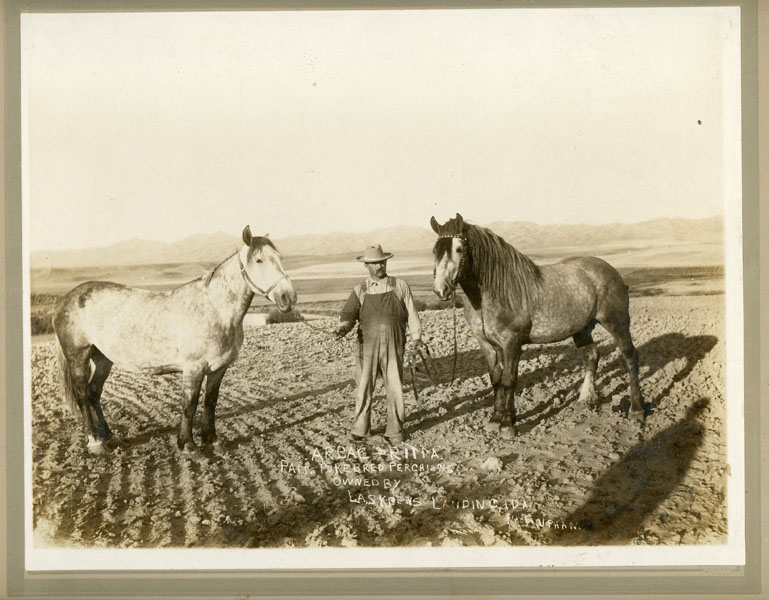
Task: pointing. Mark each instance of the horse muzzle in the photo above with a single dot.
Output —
(444, 289)
(284, 296)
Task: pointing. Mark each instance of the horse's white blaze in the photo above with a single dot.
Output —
(446, 270)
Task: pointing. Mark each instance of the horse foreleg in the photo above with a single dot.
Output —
(511, 358)
(213, 382)
(191, 382)
(495, 375)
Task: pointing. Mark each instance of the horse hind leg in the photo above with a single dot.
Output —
(583, 340)
(620, 331)
(76, 370)
(102, 368)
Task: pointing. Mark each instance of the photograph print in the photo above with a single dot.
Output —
(455, 288)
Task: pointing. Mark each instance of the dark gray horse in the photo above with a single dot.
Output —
(195, 329)
(511, 301)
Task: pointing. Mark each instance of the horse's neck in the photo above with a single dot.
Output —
(229, 290)
(472, 289)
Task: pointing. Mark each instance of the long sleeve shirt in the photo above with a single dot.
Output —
(351, 310)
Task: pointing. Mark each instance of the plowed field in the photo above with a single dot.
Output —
(289, 475)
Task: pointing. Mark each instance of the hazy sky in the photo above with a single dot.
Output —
(161, 125)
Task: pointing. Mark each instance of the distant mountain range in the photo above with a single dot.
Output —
(212, 248)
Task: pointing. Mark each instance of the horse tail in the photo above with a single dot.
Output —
(66, 384)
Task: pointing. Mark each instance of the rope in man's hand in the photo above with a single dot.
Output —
(421, 352)
(338, 333)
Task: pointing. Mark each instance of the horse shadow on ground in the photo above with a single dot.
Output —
(472, 364)
(655, 355)
(621, 500)
(634, 487)
(562, 360)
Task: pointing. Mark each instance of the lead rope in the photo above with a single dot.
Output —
(427, 362)
(412, 368)
(454, 315)
(300, 316)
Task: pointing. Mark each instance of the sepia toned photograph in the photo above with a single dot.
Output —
(323, 285)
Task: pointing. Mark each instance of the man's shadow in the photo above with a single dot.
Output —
(634, 487)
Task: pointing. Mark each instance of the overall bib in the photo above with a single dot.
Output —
(383, 323)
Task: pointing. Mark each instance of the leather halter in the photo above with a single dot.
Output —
(255, 288)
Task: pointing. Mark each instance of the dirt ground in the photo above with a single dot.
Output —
(289, 476)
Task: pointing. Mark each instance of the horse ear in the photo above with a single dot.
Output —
(435, 226)
(247, 236)
(460, 223)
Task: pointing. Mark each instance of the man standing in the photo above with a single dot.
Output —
(384, 306)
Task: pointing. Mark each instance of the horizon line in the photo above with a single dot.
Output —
(340, 232)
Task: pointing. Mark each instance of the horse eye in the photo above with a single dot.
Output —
(259, 261)
(459, 250)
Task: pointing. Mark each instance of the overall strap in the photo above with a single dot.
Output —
(361, 290)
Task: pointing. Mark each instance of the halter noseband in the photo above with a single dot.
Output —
(255, 288)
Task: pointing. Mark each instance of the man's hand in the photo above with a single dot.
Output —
(412, 353)
(339, 332)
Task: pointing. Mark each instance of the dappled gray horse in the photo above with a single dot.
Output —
(195, 329)
(510, 301)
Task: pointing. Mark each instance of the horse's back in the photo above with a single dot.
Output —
(611, 293)
(574, 292)
(601, 273)
(119, 320)
(100, 297)
(68, 315)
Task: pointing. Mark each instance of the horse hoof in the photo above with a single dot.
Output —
(115, 442)
(96, 448)
(492, 427)
(95, 445)
(507, 433)
(217, 447)
(192, 451)
(638, 414)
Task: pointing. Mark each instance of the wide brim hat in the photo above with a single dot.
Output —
(374, 254)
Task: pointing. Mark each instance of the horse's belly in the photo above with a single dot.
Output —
(547, 336)
(555, 327)
(141, 359)
(223, 359)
